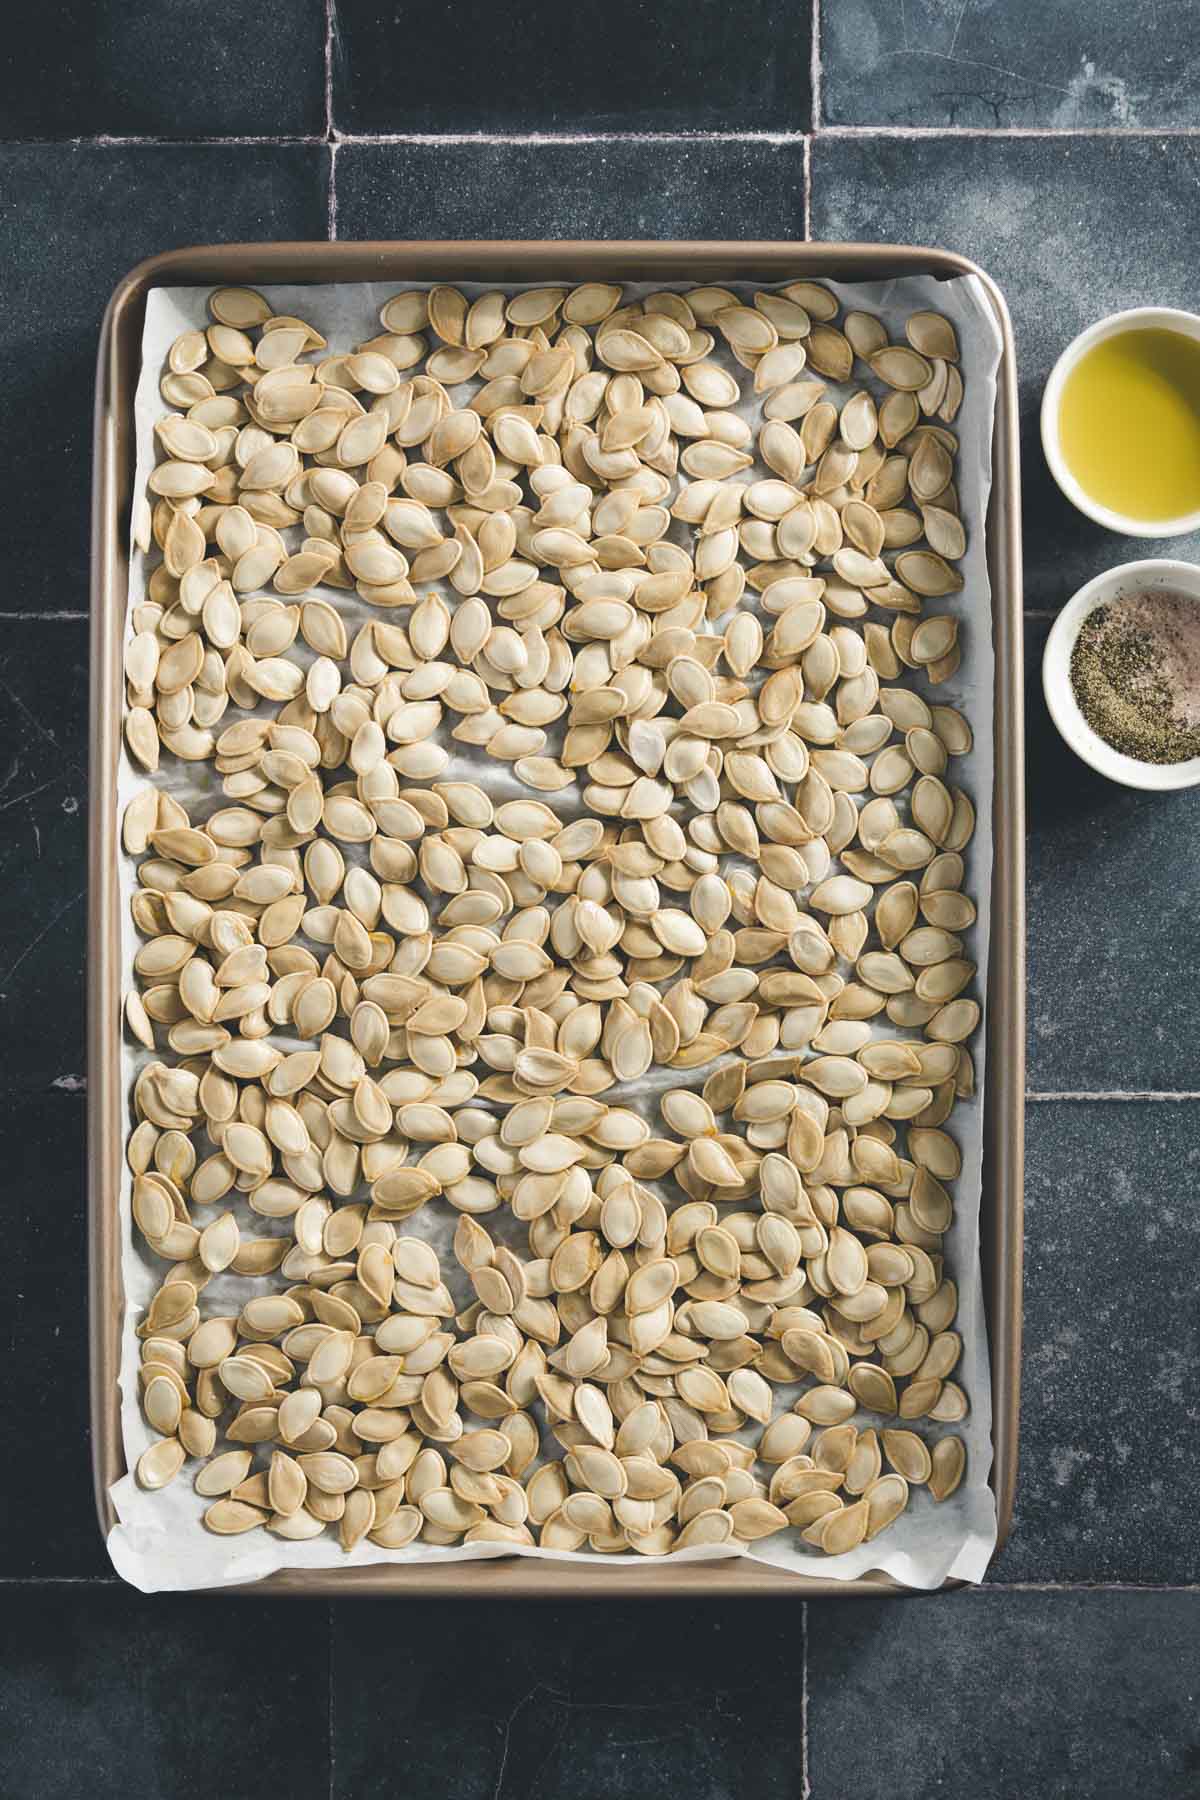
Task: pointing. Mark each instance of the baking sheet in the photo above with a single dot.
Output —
(158, 1542)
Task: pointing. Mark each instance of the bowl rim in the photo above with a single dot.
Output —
(1115, 324)
(1064, 709)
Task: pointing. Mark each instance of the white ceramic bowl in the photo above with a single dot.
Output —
(1138, 318)
(1126, 578)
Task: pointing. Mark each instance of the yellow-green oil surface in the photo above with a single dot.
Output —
(1129, 424)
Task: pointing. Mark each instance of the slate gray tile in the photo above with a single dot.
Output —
(633, 188)
(43, 835)
(73, 219)
(164, 68)
(994, 1695)
(1113, 987)
(531, 1702)
(633, 65)
(1063, 63)
(108, 1692)
(1109, 1481)
(48, 1527)
(1071, 228)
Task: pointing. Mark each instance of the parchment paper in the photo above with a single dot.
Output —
(159, 1542)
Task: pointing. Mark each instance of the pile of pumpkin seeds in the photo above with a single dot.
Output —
(716, 864)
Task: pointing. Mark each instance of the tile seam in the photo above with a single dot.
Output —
(1009, 131)
(815, 70)
(313, 140)
(113, 140)
(330, 30)
(550, 138)
(301, 140)
(331, 135)
(807, 189)
(1038, 1096)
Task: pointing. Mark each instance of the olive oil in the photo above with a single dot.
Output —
(1129, 424)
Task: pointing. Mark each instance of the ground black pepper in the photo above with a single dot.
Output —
(1135, 669)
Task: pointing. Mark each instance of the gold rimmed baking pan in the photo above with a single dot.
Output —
(1003, 1162)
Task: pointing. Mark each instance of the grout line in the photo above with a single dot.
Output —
(41, 618)
(805, 1783)
(552, 138)
(808, 143)
(108, 140)
(815, 66)
(1152, 1094)
(1011, 131)
(312, 140)
(330, 29)
(331, 134)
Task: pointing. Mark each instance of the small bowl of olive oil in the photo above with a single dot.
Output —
(1121, 422)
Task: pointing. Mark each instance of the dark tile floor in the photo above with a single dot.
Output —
(1110, 1452)
(1060, 146)
(630, 65)
(606, 188)
(990, 1696)
(164, 68)
(608, 1702)
(1110, 900)
(43, 834)
(967, 63)
(107, 1692)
